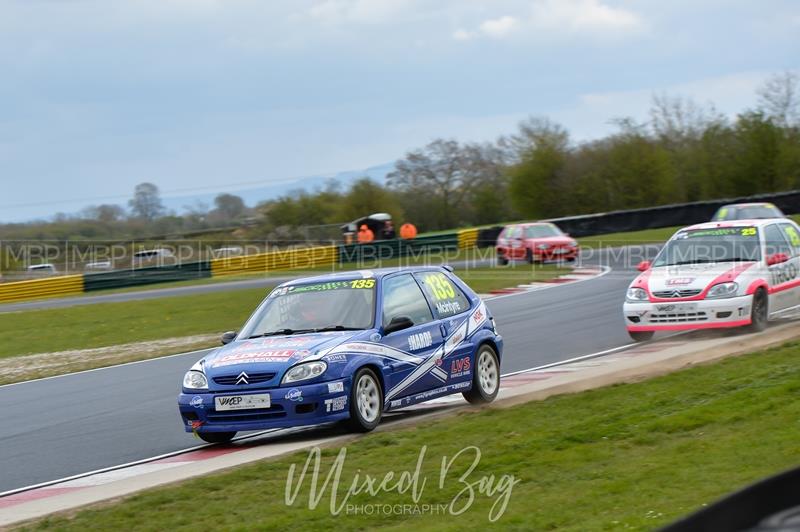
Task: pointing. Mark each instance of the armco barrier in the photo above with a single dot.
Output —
(395, 248)
(145, 276)
(275, 260)
(667, 215)
(36, 288)
(681, 214)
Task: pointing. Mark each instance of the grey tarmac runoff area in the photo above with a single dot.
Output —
(63, 426)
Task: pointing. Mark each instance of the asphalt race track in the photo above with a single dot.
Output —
(68, 425)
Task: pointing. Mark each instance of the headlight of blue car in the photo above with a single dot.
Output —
(722, 290)
(305, 371)
(195, 380)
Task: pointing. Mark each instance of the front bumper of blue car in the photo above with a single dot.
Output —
(290, 406)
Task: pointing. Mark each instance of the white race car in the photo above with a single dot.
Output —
(718, 274)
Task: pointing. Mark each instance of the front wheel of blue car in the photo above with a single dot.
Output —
(366, 401)
(485, 376)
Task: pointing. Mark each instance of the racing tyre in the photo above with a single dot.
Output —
(501, 260)
(485, 377)
(641, 336)
(759, 311)
(216, 437)
(366, 401)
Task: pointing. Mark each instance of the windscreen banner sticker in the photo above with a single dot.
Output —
(720, 231)
(324, 287)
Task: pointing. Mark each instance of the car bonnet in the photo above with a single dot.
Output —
(272, 353)
(693, 276)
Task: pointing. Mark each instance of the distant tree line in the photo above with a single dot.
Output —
(682, 152)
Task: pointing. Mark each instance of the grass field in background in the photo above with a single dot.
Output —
(103, 324)
(633, 456)
(484, 279)
(648, 236)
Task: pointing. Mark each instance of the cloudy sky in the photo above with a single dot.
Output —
(199, 95)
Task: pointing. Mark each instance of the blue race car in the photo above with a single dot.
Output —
(347, 346)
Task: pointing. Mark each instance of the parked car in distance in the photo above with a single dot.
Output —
(747, 211)
(535, 242)
(99, 265)
(152, 255)
(231, 251)
(46, 268)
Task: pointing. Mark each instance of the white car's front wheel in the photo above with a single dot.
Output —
(759, 311)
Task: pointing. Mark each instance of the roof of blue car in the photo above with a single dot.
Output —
(375, 273)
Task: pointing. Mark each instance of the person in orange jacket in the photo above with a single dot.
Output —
(365, 235)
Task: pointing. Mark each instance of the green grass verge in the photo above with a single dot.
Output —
(103, 324)
(633, 456)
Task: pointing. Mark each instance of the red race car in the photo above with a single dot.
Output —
(535, 242)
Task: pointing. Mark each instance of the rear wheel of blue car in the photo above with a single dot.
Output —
(216, 437)
(485, 376)
(366, 401)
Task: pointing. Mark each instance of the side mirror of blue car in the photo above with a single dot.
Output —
(398, 323)
(228, 337)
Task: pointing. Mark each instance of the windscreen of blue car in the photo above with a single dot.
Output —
(726, 244)
(306, 307)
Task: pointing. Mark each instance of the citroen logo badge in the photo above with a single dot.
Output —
(242, 378)
(675, 293)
